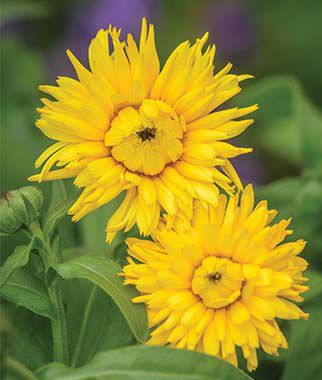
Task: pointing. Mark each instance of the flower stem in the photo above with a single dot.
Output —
(58, 325)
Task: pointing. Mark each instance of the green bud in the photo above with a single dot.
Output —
(19, 207)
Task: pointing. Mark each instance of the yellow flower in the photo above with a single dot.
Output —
(126, 126)
(222, 283)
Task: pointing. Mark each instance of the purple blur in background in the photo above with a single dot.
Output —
(95, 15)
(230, 24)
(233, 31)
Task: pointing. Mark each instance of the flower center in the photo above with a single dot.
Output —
(214, 277)
(218, 282)
(147, 138)
(147, 134)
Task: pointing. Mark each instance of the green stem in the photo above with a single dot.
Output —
(59, 325)
(19, 369)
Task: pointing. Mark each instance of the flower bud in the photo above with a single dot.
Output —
(19, 207)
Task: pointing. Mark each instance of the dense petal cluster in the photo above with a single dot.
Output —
(222, 283)
(156, 135)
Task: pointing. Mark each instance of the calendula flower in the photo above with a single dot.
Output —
(125, 126)
(222, 283)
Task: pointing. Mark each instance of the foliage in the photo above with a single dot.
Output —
(65, 313)
(148, 363)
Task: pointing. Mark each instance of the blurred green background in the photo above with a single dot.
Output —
(277, 41)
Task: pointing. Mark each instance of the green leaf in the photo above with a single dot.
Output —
(311, 135)
(103, 272)
(276, 128)
(34, 197)
(30, 341)
(53, 217)
(301, 199)
(26, 290)
(17, 370)
(304, 353)
(92, 228)
(149, 363)
(288, 126)
(58, 194)
(94, 321)
(278, 193)
(15, 261)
